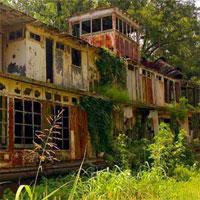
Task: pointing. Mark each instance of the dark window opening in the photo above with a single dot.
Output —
(117, 23)
(76, 30)
(120, 26)
(107, 23)
(128, 29)
(16, 34)
(27, 121)
(124, 28)
(49, 60)
(76, 57)
(60, 45)
(74, 100)
(35, 37)
(86, 27)
(63, 141)
(96, 25)
(3, 122)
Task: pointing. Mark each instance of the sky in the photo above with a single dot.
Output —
(198, 3)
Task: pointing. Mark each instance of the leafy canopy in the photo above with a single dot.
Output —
(169, 28)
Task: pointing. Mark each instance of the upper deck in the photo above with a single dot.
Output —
(108, 27)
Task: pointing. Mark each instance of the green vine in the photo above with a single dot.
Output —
(99, 122)
(112, 69)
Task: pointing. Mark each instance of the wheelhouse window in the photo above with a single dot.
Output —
(96, 25)
(15, 34)
(86, 27)
(3, 121)
(76, 57)
(107, 23)
(76, 30)
(62, 140)
(27, 121)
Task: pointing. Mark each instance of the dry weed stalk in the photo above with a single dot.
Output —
(45, 144)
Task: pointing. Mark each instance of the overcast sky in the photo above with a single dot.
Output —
(198, 3)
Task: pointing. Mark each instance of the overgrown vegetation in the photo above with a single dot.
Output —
(164, 174)
(99, 122)
(112, 69)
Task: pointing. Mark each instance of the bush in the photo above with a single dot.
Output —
(165, 151)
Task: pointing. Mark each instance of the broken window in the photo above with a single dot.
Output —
(76, 30)
(35, 37)
(76, 57)
(107, 23)
(27, 121)
(3, 121)
(60, 46)
(96, 25)
(63, 135)
(15, 34)
(86, 27)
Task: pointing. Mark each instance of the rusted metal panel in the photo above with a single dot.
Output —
(78, 124)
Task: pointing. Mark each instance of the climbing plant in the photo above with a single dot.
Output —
(99, 122)
(112, 69)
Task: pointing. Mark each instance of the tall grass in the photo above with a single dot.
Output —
(116, 185)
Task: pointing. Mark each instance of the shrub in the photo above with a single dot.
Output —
(165, 151)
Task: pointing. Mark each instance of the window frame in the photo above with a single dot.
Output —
(23, 123)
(33, 36)
(21, 30)
(54, 113)
(72, 58)
(102, 22)
(4, 124)
(87, 20)
(100, 25)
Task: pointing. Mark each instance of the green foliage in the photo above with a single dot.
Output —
(178, 113)
(112, 69)
(116, 184)
(99, 122)
(116, 95)
(182, 173)
(165, 151)
(168, 28)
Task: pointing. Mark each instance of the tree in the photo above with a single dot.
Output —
(169, 28)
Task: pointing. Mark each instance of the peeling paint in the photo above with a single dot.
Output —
(13, 68)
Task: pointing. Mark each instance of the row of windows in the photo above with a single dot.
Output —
(27, 121)
(102, 24)
(75, 53)
(125, 28)
(92, 26)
